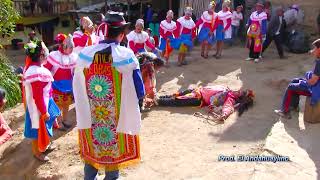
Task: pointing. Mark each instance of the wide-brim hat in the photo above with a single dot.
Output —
(115, 19)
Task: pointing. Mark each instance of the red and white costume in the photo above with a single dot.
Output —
(167, 29)
(186, 26)
(224, 19)
(62, 68)
(37, 83)
(206, 20)
(138, 41)
(82, 40)
(61, 65)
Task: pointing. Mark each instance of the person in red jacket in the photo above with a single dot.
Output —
(186, 32)
(5, 131)
(223, 27)
(41, 111)
(206, 25)
(61, 63)
(138, 38)
(85, 36)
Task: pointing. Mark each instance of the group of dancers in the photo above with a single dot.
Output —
(108, 81)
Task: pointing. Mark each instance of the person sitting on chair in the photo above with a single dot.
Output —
(306, 86)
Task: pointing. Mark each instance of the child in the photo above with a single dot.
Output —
(151, 39)
(5, 131)
(154, 26)
(307, 86)
(235, 23)
(41, 111)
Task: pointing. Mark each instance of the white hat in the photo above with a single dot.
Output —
(140, 21)
(188, 10)
(170, 13)
(86, 22)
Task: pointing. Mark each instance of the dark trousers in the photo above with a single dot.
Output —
(252, 54)
(297, 87)
(90, 173)
(278, 41)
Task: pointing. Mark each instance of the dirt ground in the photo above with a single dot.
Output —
(177, 145)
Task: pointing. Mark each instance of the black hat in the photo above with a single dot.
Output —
(316, 43)
(115, 19)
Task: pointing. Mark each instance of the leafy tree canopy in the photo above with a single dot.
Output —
(8, 18)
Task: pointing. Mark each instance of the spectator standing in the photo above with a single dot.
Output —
(276, 28)
(237, 17)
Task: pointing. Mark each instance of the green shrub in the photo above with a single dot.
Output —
(9, 81)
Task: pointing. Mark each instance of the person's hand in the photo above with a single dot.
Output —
(45, 116)
(221, 118)
(224, 30)
(210, 33)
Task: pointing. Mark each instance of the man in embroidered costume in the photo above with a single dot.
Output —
(223, 27)
(186, 32)
(167, 29)
(85, 36)
(206, 25)
(138, 38)
(107, 87)
(306, 86)
(61, 63)
(41, 111)
(220, 99)
(256, 33)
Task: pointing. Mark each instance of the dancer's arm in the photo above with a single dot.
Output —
(37, 93)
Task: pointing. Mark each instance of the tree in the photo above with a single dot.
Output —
(8, 18)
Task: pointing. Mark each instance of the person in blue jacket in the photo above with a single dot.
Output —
(307, 86)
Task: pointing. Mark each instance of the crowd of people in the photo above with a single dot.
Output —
(110, 75)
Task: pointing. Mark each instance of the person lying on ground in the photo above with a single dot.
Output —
(219, 99)
(5, 131)
(305, 86)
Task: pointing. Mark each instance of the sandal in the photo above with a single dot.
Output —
(50, 148)
(42, 157)
(184, 63)
(206, 56)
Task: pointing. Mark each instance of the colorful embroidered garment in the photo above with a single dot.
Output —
(103, 112)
